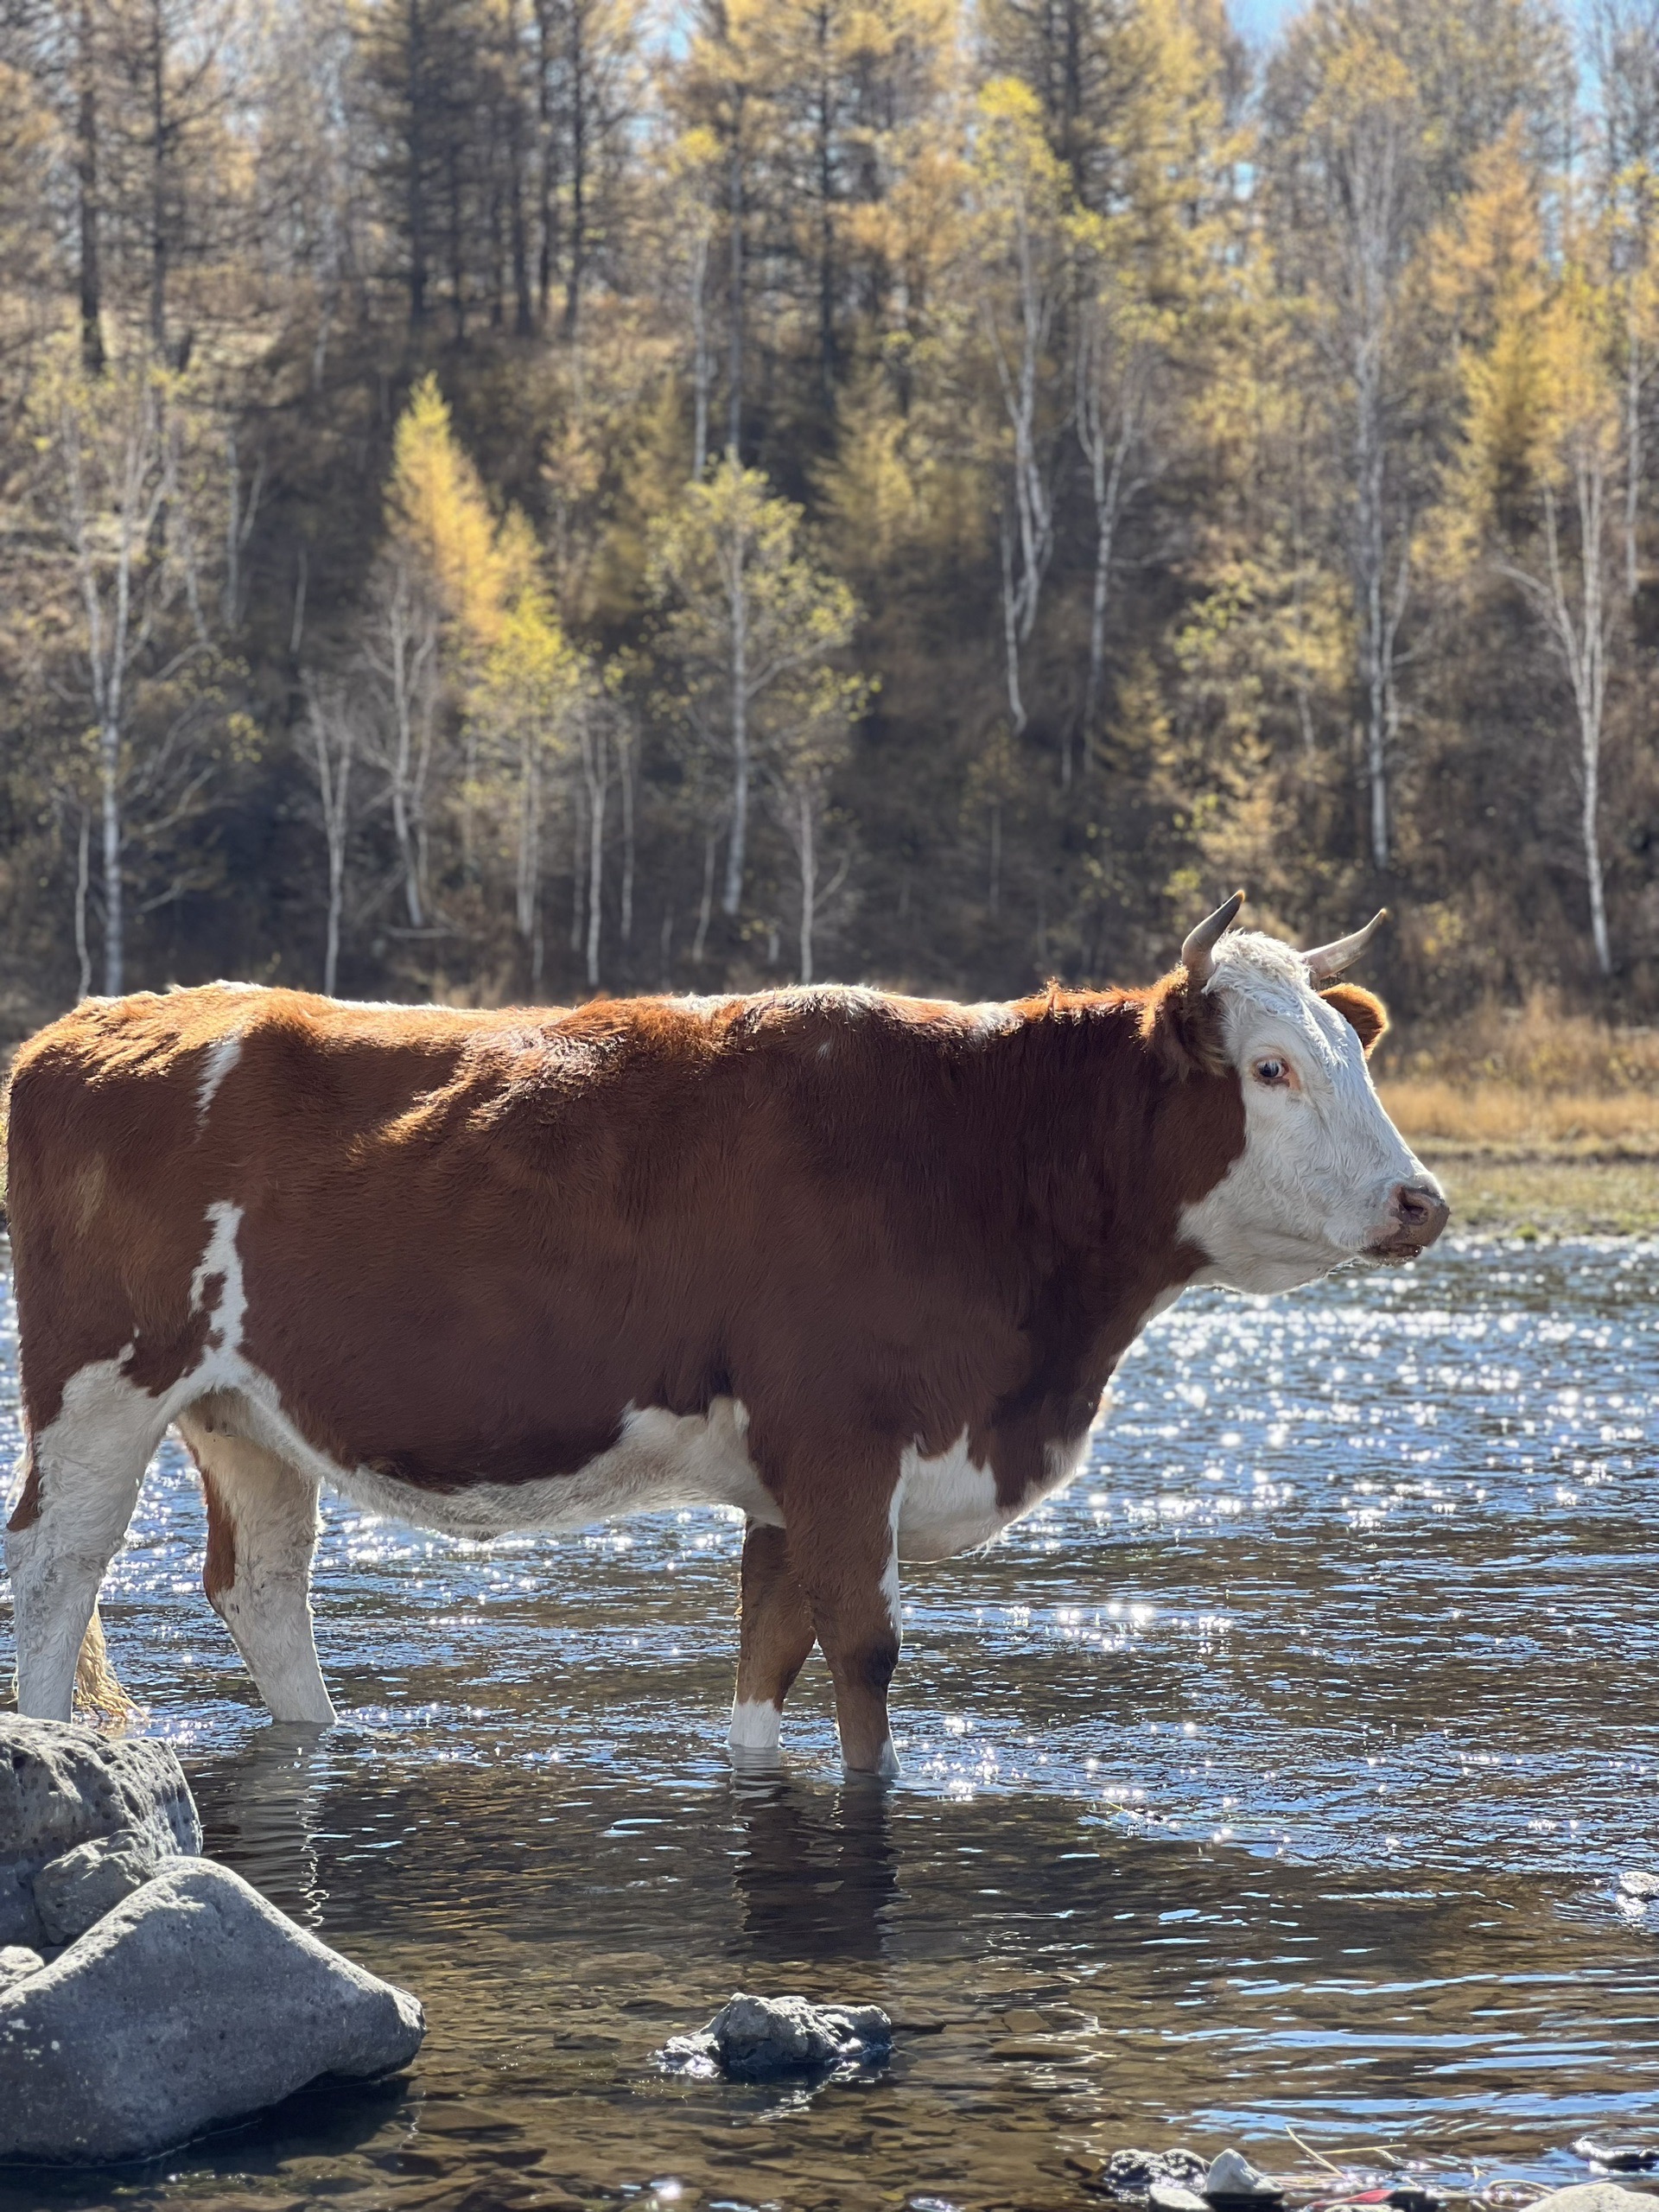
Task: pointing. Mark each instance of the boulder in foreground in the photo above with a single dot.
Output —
(63, 1787)
(757, 2038)
(1593, 2197)
(192, 2004)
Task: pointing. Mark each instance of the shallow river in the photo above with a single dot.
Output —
(1279, 1776)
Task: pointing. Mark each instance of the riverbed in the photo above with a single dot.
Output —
(1278, 1777)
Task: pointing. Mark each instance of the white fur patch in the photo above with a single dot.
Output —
(221, 1058)
(91, 1460)
(1314, 1184)
(756, 1725)
(660, 1460)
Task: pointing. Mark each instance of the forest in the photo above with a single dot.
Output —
(519, 499)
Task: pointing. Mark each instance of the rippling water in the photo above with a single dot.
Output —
(1280, 1774)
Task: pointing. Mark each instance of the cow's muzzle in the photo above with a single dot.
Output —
(1417, 1213)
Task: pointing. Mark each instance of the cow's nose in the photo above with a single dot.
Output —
(1420, 1212)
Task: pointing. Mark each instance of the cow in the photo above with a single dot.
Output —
(857, 1264)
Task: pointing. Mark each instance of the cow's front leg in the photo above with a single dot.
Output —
(775, 1636)
(844, 1546)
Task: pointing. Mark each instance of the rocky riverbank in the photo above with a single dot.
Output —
(146, 1992)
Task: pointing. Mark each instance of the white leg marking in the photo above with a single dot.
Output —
(756, 1725)
(90, 1460)
(272, 1510)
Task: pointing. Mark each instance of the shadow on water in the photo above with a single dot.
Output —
(1279, 1776)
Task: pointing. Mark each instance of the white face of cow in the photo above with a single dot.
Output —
(1325, 1176)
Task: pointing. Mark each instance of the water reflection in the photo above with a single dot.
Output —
(265, 1803)
(815, 1875)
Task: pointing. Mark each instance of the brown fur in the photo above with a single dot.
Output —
(470, 1241)
(1364, 1011)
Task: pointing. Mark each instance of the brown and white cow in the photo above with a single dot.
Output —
(861, 1265)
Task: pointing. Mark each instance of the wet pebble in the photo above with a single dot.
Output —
(1174, 2196)
(1619, 2158)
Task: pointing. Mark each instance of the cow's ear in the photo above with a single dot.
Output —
(1182, 1023)
(1364, 1011)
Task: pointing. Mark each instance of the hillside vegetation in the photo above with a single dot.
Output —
(517, 497)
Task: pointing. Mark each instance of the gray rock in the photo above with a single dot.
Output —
(192, 2004)
(17, 1961)
(1592, 2197)
(62, 1786)
(1175, 2197)
(1232, 2179)
(71, 1892)
(755, 2038)
(1640, 1887)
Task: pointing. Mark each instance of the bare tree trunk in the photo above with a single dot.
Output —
(528, 888)
(809, 859)
(83, 878)
(577, 64)
(1108, 459)
(596, 773)
(578, 865)
(706, 904)
(733, 896)
(109, 778)
(1632, 444)
(406, 658)
(524, 320)
(624, 748)
(1011, 627)
(1582, 641)
(88, 190)
(702, 366)
(334, 743)
(158, 158)
(735, 334)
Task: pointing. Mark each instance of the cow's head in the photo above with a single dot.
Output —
(1325, 1176)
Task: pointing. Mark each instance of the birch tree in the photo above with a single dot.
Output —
(748, 616)
(1538, 489)
(1022, 239)
(115, 489)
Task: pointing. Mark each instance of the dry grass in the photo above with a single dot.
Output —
(1532, 1082)
(1505, 1119)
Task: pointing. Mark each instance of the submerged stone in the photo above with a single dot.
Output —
(1619, 2158)
(1132, 2173)
(756, 2038)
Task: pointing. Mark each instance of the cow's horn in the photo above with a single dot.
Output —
(1328, 960)
(1196, 953)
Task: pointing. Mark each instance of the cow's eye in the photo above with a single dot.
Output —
(1272, 1071)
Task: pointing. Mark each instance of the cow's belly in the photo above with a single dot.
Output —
(948, 1504)
(661, 1460)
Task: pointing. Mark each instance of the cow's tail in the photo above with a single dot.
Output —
(99, 1693)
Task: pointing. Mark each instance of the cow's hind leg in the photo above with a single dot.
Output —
(775, 1637)
(81, 1475)
(262, 1531)
(842, 1547)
